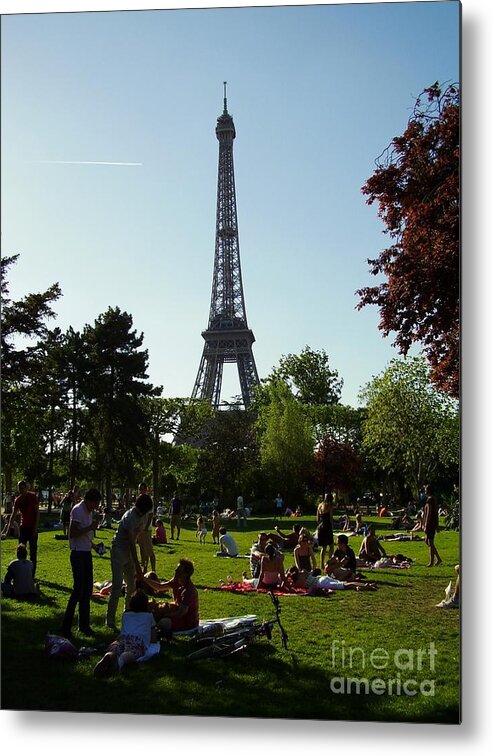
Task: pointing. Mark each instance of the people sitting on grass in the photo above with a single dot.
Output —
(345, 522)
(257, 551)
(314, 581)
(12, 531)
(303, 553)
(19, 582)
(371, 549)
(359, 527)
(342, 564)
(286, 542)
(272, 573)
(227, 544)
(137, 634)
(183, 612)
(159, 538)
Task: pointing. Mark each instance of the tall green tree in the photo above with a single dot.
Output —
(23, 330)
(50, 403)
(117, 383)
(309, 376)
(229, 454)
(411, 429)
(340, 422)
(286, 440)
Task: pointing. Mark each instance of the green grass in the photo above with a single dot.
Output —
(266, 681)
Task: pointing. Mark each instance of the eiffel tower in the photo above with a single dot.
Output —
(227, 337)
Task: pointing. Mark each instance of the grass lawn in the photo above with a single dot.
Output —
(308, 680)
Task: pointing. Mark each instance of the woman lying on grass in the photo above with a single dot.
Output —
(314, 582)
(137, 634)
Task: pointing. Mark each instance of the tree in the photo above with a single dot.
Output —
(337, 466)
(411, 429)
(50, 403)
(340, 422)
(416, 184)
(229, 454)
(309, 376)
(286, 440)
(21, 319)
(114, 392)
(168, 417)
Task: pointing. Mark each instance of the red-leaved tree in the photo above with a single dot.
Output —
(337, 466)
(416, 184)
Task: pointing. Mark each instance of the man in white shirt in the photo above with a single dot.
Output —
(227, 544)
(81, 533)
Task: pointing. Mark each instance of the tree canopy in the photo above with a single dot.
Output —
(411, 429)
(416, 185)
(310, 377)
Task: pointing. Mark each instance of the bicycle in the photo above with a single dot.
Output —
(238, 640)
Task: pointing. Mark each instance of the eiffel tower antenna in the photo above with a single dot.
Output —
(227, 337)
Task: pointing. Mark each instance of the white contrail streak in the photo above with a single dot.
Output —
(82, 162)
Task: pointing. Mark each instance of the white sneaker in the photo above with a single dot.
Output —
(450, 603)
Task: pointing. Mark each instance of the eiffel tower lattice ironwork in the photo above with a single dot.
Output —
(228, 337)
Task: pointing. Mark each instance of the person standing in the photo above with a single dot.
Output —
(216, 524)
(124, 559)
(430, 525)
(279, 504)
(27, 504)
(81, 534)
(240, 511)
(144, 538)
(325, 528)
(175, 516)
(65, 508)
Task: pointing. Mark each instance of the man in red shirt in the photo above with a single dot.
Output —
(27, 505)
(183, 612)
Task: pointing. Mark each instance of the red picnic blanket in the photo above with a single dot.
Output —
(240, 587)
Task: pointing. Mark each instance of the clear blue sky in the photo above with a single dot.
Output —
(316, 92)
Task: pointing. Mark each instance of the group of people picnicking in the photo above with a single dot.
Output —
(144, 618)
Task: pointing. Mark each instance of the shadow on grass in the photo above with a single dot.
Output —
(264, 682)
(56, 586)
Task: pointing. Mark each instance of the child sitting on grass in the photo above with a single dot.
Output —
(138, 632)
